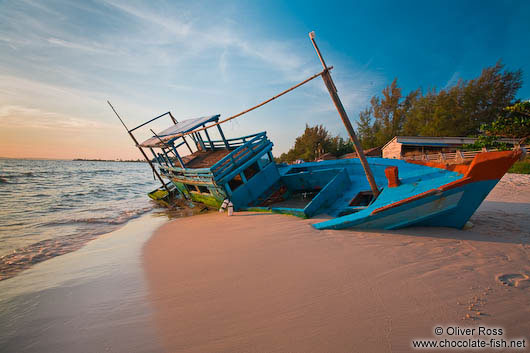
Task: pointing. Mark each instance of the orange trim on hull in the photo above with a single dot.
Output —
(461, 168)
(485, 166)
(492, 165)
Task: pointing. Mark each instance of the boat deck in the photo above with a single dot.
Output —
(204, 159)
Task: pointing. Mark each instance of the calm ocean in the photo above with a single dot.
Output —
(48, 208)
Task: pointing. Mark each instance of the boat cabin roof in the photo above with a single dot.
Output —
(174, 131)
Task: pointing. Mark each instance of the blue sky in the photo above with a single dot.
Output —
(61, 60)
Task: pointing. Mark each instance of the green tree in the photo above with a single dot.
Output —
(340, 146)
(312, 142)
(459, 110)
(388, 113)
(514, 123)
(308, 144)
(365, 128)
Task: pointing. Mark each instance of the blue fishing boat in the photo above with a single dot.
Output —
(203, 166)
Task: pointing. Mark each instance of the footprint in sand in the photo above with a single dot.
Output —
(519, 280)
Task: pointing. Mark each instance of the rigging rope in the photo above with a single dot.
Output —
(259, 105)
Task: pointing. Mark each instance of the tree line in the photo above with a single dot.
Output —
(459, 110)
(466, 108)
(315, 141)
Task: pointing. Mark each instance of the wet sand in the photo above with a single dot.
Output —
(90, 300)
(271, 283)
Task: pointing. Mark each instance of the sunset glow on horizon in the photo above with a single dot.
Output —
(60, 61)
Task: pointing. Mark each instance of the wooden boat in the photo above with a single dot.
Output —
(359, 192)
(243, 171)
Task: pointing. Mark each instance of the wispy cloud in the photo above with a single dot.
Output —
(62, 60)
(34, 118)
(168, 23)
(75, 46)
(453, 80)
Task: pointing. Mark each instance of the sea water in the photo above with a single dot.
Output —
(52, 207)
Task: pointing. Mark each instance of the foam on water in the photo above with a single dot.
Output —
(48, 208)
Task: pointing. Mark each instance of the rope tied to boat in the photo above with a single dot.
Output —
(260, 104)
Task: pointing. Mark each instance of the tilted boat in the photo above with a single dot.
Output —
(368, 193)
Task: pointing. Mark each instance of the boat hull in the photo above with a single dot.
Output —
(419, 193)
(449, 205)
(451, 208)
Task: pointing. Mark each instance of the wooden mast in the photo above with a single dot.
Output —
(328, 81)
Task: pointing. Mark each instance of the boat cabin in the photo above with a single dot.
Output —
(211, 170)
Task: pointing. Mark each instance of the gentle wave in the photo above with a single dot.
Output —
(25, 257)
(17, 175)
(66, 203)
(123, 217)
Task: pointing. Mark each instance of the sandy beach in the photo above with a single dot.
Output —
(90, 300)
(259, 282)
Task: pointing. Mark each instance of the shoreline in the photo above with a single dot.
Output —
(92, 299)
(17, 260)
(271, 283)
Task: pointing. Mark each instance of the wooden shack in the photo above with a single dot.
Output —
(401, 147)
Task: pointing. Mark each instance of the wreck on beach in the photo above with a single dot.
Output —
(368, 193)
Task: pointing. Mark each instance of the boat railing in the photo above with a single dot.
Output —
(240, 155)
(458, 156)
(197, 175)
(232, 143)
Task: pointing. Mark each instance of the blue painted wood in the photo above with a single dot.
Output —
(200, 140)
(228, 190)
(166, 158)
(178, 157)
(474, 194)
(209, 139)
(180, 144)
(451, 208)
(224, 160)
(230, 173)
(227, 166)
(397, 217)
(253, 188)
(329, 194)
(186, 142)
(227, 145)
(309, 179)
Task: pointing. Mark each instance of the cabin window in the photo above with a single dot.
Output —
(235, 182)
(252, 170)
(264, 160)
(203, 189)
(363, 198)
(191, 187)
